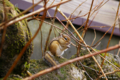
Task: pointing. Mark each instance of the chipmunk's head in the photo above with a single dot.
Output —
(65, 40)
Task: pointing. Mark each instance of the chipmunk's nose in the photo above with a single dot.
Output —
(68, 45)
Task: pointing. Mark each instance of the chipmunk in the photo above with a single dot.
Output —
(56, 48)
(60, 44)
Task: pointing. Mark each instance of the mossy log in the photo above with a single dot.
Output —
(68, 72)
(17, 35)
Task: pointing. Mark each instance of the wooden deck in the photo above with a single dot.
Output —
(105, 15)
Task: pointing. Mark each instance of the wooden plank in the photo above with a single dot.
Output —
(105, 17)
(106, 14)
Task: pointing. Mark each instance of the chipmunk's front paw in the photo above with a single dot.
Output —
(61, 57)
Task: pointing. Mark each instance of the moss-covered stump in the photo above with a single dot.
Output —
(93, 70)
(17, 35)
(68, 72)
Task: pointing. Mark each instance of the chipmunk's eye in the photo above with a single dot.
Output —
(65, 38)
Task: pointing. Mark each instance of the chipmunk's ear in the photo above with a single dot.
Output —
(61, 34)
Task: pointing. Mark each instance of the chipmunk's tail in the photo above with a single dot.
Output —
(50, 59)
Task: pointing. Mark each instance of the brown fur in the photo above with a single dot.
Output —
(62, 40)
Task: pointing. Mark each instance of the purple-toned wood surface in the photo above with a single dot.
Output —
(21, 4)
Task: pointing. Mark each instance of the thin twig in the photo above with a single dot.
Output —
(94, 38)
(33, 7)
(101, 5)
(41, 45)
(118, 50)
(52, 2)
(93, 19)
(5, 11)
(78, 50)
(87, 21)
(90, 68)
(77, 8)
(119, 23)
(85, 70)
(51, 18)
(4, 31)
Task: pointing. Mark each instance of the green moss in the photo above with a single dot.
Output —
(27, 65)
(115, 63)
(118, 73)
(82, 54)
(13, 42)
